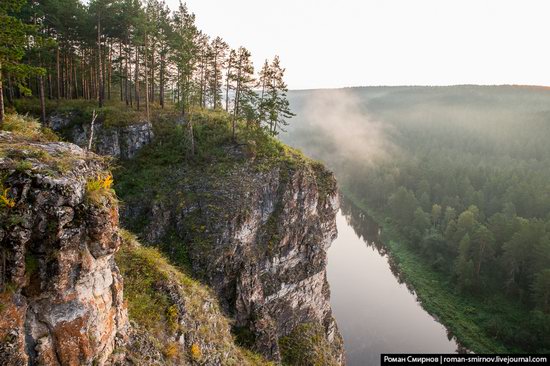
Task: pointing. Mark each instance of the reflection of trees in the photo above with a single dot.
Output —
(368, 230)
(363, 225)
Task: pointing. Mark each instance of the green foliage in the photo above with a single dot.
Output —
(147, 277)
(99, 190)
(27, 128)
(31, 264)
(541, 290)
(79, 111)
(307, 345)
(13, 39)
(475, 162)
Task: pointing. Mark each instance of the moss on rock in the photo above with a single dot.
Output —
(307, 345)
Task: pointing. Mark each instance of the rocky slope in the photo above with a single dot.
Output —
(61, 291)
(254, 224)
(174, 319)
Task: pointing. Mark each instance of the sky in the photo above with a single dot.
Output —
(330, 44)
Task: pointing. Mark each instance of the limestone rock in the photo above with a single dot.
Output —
(257, 233)
(61, 291)
(117, 141)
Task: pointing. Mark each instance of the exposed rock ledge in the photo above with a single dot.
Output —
(61, 291)
(118, 141)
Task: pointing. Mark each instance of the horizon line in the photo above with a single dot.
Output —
(423, 86)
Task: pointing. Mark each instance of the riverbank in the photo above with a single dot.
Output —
(466, 317)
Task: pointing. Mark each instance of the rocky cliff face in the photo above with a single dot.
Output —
(61, 291)
(257, 231)
(61, 298)
(118, 141)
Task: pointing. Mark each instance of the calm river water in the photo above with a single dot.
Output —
(375, 311)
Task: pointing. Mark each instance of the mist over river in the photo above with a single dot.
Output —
(375, 311)
(460, 174)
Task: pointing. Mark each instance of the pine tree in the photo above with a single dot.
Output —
(183, 42)
(218, 60)
(275, 107)
(229, 76)
(244, 82)
(13, 38)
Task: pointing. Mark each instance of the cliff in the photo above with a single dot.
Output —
(252, 219)
(121, 140)
(61, 291)
(174, 319)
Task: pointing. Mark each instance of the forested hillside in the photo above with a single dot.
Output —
(463, 174)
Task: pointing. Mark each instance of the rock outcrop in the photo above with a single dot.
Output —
(61, 291)
(256, 230)
(117, 141)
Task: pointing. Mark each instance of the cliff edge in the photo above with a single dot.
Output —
(252, 218)
(64, 262)
(61, 291)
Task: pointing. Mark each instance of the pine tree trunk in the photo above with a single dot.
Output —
(1, 99)
(161, 91)
(126, 78)
(49, 85)
(227, 86)
(42, 100)
(109, 71)
(58, 74)
(215, 81)
(75, 78)
(136, 80)
(99, 65)
(146, 81)
(82, 76)
(152, 97)
(66, 76)
(120, 70)
(10, 89)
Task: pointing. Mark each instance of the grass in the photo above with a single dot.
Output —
(27, 128)
(147, 274)
(113, 114)
(25, 152)
(307, 345)
(99, 189)
(478, 323)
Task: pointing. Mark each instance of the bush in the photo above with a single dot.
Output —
(99, 188)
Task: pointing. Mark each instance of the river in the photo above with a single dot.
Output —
(375, 311)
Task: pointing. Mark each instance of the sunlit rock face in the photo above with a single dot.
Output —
(61, 291)
(258, 234)
(117, 141)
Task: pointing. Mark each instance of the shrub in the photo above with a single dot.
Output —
(307, 345)
(5, 200)
(99, 188)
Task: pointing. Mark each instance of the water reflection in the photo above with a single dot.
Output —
(370, 232)
(375, 311)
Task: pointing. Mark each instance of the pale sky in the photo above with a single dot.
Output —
(328, 44)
